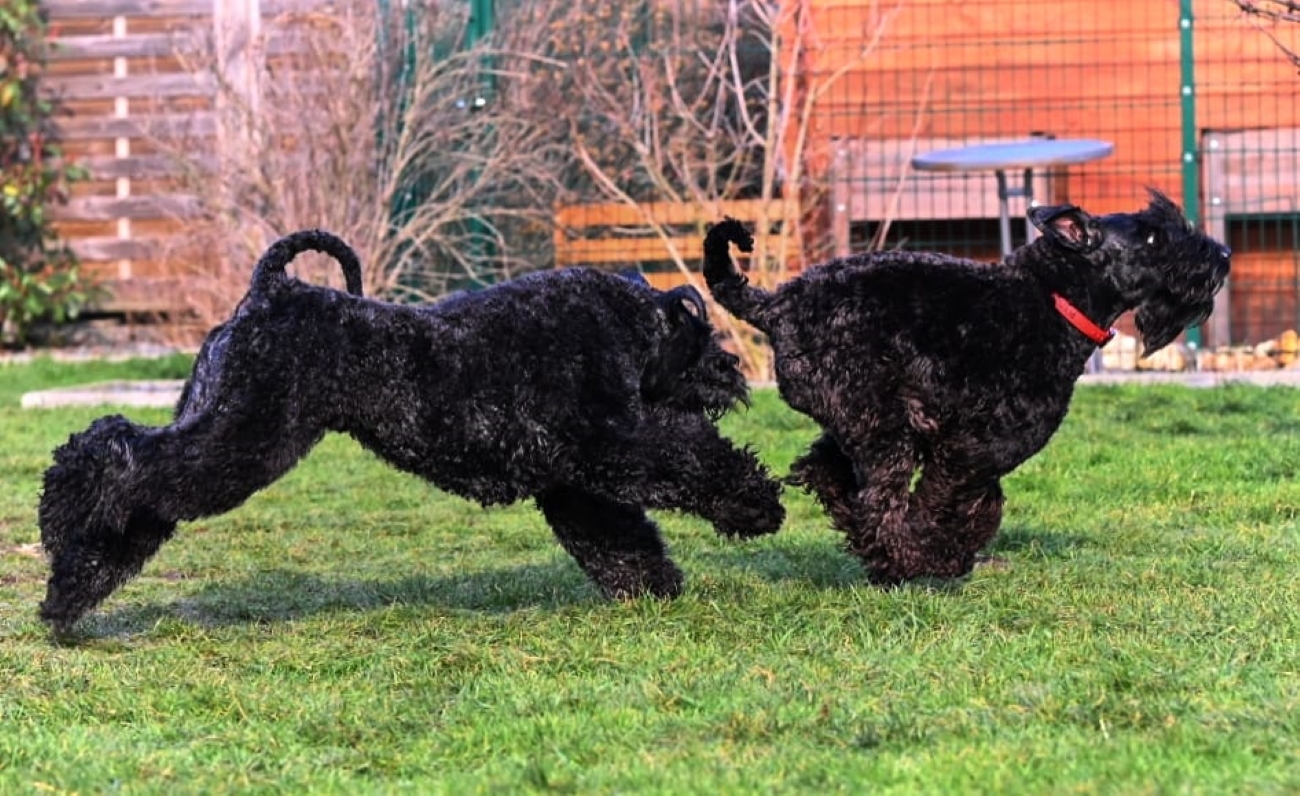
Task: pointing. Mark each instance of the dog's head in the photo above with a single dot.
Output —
(690, 369)
(1153, 261)
(95, 534)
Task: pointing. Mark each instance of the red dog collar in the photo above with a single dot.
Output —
(1079, 321)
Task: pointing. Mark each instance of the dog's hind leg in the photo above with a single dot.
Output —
(828, 474)
(952, 516)
(883, 466)
(615, 544)
(117, 490)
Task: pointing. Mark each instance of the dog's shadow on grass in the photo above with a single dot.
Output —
(284, 595)
(825, 564)
(1030, 543)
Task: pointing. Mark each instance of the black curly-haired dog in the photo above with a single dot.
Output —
(591, 392)
(933, 377)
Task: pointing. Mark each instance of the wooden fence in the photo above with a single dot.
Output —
(656, 236)
(122, 72)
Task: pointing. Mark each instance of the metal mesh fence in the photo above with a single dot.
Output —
(1198, 99)
(1248, 139)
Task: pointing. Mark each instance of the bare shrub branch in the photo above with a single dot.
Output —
(1287, 10)
(389, 132)
(719, 110)
(1276, 11)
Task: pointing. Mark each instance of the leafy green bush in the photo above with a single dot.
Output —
(39, 277)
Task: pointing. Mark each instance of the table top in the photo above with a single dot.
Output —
(1031, 153)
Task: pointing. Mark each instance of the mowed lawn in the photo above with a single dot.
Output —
(353, 630)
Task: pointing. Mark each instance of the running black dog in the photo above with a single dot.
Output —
(933, 377)
(590, 392)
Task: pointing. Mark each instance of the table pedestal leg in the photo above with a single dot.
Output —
(1004, 215)
(1005, 192)
(1028, 193)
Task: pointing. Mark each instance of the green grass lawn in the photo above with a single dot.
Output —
(352, 630)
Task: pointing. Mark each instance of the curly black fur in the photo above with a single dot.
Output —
(959, 371)
(589, 392)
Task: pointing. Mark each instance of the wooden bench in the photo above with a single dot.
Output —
(659, 237)
(872, 179)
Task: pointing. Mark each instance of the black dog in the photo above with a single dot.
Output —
(588, 391)
(933, 377)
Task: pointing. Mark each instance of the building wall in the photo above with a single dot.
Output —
(924, 73)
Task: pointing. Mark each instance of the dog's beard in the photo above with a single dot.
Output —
(692, 372)
(1161, 319)
(1197, 270)
(712, 385)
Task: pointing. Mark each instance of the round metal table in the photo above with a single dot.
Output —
(1023, 156)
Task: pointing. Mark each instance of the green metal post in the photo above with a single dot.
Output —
(481, 13)
(1191, 156)
(481, 17)
(405, 201)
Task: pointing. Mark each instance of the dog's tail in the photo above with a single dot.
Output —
(270, 269)
(729, 286)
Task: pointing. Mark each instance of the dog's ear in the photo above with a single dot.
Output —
(686, 298)
(686, 337)
(1067, 226)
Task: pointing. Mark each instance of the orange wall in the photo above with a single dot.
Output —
(1105, 69)
(1073, 68)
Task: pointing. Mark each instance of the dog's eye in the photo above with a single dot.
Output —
(1151, 239)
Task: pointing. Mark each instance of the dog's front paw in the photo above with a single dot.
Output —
(750, 520)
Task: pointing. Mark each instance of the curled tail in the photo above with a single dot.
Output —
(729, 286)
(270, 268)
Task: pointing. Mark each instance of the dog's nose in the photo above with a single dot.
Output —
(1225, 252)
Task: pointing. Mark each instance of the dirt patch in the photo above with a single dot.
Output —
(33, 550)
(162, 392)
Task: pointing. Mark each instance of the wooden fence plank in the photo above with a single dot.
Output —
(667, 280)
(103, 208)
(632, 250)
(625, 250)
(143, 86)
(154, 45)
(664, 213)
(598, 234)
(104, 46)
(96, 9)
(102, 249)
(199, 124)
(141, 167)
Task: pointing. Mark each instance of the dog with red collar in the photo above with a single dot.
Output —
(933, 377)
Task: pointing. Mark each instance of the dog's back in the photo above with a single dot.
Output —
(601, 334)
(268, 276)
